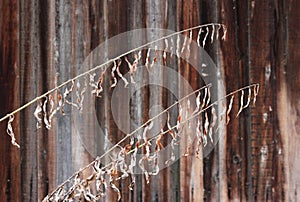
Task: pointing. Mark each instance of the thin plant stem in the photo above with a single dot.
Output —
(164, 132)
(99, 66)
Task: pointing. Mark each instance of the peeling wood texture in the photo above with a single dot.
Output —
(44, 43)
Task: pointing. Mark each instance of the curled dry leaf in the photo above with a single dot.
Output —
(155, 58)
(120, 74)
(241, 103)
(52, 110)
(199, 138)
(178, 46)
(218, 31)
(214, 117)
(147, 63)
(131, 167)
(114, 68)
(38, 114)
(60, 103)
(198, 102)
(204, 98)
(255, 89)
(46, 121)
(165, 51)
(205, 37)
(68, 92)
(97, 86)
(183, 45)
(206, 126)
(179, 118)
(208, 95)
(114, 187)
(199, 36)
(132, 69)
(172, 48)
(229, 109)
(80, 94)
(188, 52)
(212, 34)
(10, 131)
(248, 99)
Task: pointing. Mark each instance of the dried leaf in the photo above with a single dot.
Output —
(204, 98)
(46, 121)
(97, 87)
(131, 166)
(68, 91)
(80, 94)
(131, 69)
(159, 145)
(113, 75)
(60, 103)
(208, 96)
(38, 114)
(248, 99)
(206, 125)
(179, 118)
(218, 31)
(229, 109)
(165, 51)
(141, 165)
(198, 102)
(225, 32)
(178, 46)
(172, 158)
(188, 46)
(155, 58)
(171, 131)
(212, 34)
(199, 138)
(241, 104)
(154, 159)
(184, 44)
(255, 89)
(114, 187)
(199, 36)
(172, 48)
(120, 75)
(10, 131)
(52, 110)
(206, 35)
(148, 60)
(214, 117)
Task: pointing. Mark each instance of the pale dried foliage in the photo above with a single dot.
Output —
(124, 159)
(103, 178)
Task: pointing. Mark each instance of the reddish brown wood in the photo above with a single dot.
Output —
(9, 74)
(43, 43)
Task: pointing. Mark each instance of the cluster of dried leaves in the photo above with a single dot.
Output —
(101, 178)
(46, 107)
(92, 182)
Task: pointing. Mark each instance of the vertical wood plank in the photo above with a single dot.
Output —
(9, 74)
(263, 116)
(288, 99)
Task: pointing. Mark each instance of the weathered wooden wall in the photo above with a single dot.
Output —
(43, 43)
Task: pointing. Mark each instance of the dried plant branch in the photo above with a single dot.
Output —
(170, 130)
(49, 111)
(107, 63)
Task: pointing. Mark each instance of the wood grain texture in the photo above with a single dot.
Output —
(9, 74)
(44, 43)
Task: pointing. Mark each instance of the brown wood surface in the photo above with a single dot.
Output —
(44, 43)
